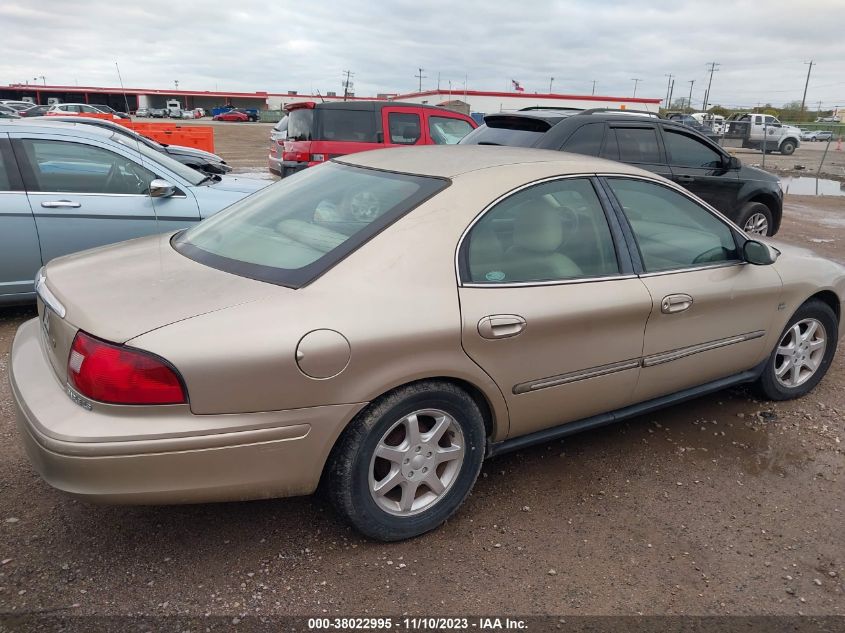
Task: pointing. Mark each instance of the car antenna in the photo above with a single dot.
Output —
(137, 143)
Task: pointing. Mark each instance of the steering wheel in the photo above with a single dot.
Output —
(708, 256)
(364, 206)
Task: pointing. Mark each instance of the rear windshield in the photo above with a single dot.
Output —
(512, 131)
(333, 124)
(293, 231)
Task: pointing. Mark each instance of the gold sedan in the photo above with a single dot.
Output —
(384, 322)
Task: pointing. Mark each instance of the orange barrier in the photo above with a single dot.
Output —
(196, 136)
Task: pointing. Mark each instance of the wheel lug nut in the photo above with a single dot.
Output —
(425, 469)
(428, 454)
(407, 461)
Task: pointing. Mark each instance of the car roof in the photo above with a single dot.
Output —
(59, 127)
(449, 161)
(377, 105)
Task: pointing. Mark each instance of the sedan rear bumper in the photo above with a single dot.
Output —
(259, 455)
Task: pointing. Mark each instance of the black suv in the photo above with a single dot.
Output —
(750, 197)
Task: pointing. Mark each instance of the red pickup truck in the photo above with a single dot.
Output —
(312, 133)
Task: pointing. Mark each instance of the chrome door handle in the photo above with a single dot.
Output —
(56, 204)
(675, 303)
(501, 326)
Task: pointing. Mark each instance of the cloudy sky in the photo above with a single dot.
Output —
(276, 45)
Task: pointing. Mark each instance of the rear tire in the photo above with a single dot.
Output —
(391, 482)
(803, 353)
(755, 218)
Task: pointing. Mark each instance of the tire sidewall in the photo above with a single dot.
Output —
(756, 207)
(772, 388)
(787, 145)
(385, 526)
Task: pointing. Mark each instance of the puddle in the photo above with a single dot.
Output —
(806, 186)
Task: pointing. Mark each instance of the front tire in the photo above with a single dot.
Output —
(803, 353)
(756, 219)
(408, 461)
(787, 148)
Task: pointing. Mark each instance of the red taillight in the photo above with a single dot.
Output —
(121, 375)
(300, 157)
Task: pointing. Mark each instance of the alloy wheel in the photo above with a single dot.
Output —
(416, 462)
(757, 224)
(800, 352)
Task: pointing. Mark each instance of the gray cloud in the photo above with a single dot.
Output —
(761, 45)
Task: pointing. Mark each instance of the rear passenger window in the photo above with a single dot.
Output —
(638, 145)
(5, 184)
(585, 140)
(404, 127)
(553, 231)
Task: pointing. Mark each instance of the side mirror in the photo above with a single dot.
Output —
(160, 188)
(757, 253)
(732, 162)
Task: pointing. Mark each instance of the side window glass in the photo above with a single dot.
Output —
(553, 231)
(5, 181)
(671, 230)
(60, 166)
(611, 146)
(585, 140)
(447, 131)
(686, 151)
(404, 127)
(638, 145)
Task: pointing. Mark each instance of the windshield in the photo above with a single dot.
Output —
(158, 158)
(295, 230)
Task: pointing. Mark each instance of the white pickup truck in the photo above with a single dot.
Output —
(761, 131)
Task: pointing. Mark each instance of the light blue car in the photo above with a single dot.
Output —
(67, 187)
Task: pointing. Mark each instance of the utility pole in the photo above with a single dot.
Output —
(420, 76)
(671, 91)
(713, 68)
(636, 80)
(594, 87)
(689, 101)
(806, 84)
(668, 85)
(347, 83)
(176, 83)
(438, 82)
(551, 81)
(818, 116)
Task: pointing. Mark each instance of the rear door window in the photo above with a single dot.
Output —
(404, 127)
(638, 145)
(346, 125)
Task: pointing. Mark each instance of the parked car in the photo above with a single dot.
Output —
(203, 161)
(111, 110)
(809, 135)
(232, 115)
(35, 111)
(142, 112)
(20, 106)
(72, 187)
(751, 197)
(65, 109)
(824, 135)
(159, 113)
(555, 300)
(8, 113)
(317, 132)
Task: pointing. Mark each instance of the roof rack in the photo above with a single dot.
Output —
(656, 115)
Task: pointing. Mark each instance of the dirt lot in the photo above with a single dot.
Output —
(724, 505)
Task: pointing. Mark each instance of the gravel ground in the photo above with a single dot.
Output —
(722, 505)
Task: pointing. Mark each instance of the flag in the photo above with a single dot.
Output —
(517, 86)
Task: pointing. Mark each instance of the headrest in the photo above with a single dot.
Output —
(538, 227)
